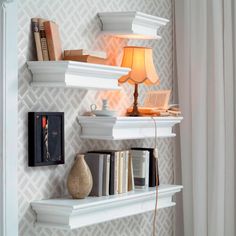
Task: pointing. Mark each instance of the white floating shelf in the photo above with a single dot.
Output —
(117, 128)
(132, 25)
(75, 74)
(72, 214)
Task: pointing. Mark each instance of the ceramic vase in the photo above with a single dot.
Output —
(79, 182)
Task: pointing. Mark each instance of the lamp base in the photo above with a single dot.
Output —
(135, 111)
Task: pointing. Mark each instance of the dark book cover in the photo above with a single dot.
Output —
(153, 163)
(95, 163)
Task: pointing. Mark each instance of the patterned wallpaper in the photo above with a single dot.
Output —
(79, 28)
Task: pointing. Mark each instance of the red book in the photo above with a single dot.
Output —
(53, 40)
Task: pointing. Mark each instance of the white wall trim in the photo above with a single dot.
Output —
(8, 118)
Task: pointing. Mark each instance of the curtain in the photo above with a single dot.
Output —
(205, 35)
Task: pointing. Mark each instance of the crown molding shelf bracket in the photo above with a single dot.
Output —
(8, 118)
(131, 24)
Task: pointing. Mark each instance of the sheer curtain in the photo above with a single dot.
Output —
(206, 66)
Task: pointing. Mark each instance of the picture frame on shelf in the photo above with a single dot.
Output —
(45, 138)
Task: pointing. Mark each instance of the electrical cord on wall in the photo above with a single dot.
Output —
(155, 154)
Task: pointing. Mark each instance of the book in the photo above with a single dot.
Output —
(43, 39)
(140, 159)
(35, 30)
(130, 175)
(153, 166)
(95, 163)
(106, 175)
(53, 40)
(121, 171)
(125, 172)
(114, 156)
(85, 52)
(86, 58)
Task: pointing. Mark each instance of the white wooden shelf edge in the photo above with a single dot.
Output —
(75, 74)
(118, 128)
(72, 214)
(131, 24)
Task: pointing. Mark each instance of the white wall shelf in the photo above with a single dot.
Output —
(72, 214)
(75, 74)
(133, 24)
(117, 128)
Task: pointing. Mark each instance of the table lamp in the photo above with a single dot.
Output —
(140, 61)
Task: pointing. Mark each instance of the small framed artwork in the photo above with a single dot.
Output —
(46, 138)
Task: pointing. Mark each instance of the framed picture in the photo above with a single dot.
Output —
(46, 138)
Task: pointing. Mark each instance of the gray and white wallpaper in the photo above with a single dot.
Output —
(80, 28)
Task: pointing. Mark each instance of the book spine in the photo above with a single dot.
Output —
(125, 173)
(121, 166)
(104, 172)
(116, 175)
(107, 175)
(147, 170)
(100, 182)
(35, 30)
(112, 175)
(43, 40)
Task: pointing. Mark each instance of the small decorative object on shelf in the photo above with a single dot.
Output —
(105, 109)
(80, 181)
(46, 138)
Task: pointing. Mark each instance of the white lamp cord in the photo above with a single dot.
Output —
(155, 153)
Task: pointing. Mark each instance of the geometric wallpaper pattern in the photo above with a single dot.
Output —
(80, 28)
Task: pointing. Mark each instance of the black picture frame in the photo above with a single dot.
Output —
(46, 138)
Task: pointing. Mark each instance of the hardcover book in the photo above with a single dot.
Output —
(43, 39)
(85, 52)
(153, 166)
(37, 39)
(106, 175)
(95, 163)
(140, 160)
(86, 58)
(53, 40)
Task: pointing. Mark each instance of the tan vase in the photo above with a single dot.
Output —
(80, 181)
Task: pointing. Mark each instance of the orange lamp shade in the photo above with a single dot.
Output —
(140, 61)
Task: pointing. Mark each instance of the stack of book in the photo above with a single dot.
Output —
(47, 40)
(84, 55)
(116, 172)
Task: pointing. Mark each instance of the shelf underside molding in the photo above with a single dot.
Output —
(72, 214)
(133, 24)
(75, 74)
(118, 128)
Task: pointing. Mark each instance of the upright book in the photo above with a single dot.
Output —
(140, 160)
(53, 40)
(37, 39)
(153, 166)
(106, 175)
(95, 163)
(43, 39)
